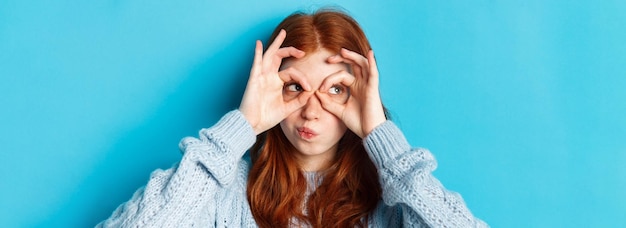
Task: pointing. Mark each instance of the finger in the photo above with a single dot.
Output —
(354, 69)
(271, 50)
(359, 62)
(284, 53)
(339, 77)
(277, 41)
(330, 106)
(289, 51)
(338, 59)
(258, 58)
(373, 77)
(356, 57)
(335, 59)
(297, 103)
(292, 74)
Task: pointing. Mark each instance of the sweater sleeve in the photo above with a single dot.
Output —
(175, 196)
(408, 183)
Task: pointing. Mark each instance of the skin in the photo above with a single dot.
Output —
(264, 103)
(312, 130)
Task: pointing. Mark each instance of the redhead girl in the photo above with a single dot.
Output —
(309, 146)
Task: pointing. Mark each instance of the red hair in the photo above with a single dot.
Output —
(350, 189)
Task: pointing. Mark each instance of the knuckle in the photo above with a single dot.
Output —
(343, 73)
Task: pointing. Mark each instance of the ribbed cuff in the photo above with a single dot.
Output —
(235, 131)
(385, 143)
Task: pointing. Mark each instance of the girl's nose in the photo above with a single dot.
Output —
(312, 109)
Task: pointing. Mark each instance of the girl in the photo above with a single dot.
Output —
(321, 150)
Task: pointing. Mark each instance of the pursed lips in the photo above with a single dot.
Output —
(306, 133)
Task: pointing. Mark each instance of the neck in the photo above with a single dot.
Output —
(315, 163)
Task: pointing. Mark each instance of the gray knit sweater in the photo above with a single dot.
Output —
(207, 188)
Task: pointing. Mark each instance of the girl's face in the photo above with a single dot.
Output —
(312, 130)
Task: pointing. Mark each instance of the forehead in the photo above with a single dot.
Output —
(315, 67)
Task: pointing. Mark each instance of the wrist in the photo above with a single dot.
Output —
(373, 125)
(250, 121)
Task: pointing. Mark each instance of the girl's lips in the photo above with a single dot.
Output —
(306, 133)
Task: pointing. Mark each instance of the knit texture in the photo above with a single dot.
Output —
(207, 188)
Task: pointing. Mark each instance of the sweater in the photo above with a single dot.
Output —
(207, 188)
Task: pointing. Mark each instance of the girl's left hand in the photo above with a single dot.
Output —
(363, 111)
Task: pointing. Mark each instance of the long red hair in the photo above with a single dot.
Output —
(350, 189)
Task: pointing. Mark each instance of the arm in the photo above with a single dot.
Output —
(175, 195)
(407, 182)
(405, 174)
(210, 161)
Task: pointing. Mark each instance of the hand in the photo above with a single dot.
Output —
(263, 104)
(363, 111)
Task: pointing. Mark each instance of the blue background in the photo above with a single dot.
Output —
(522, 102)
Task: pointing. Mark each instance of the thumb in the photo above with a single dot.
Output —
(330, 106)
(297, 103)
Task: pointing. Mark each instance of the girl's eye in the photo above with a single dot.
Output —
(291, 91)
(293, 87)
(336, 90)
(339, 93)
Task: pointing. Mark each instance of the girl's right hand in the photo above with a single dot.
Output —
(363, 111)
(263, 104)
